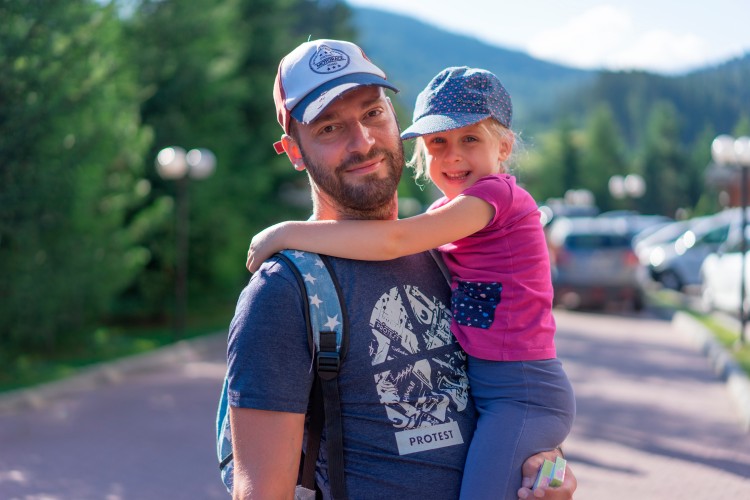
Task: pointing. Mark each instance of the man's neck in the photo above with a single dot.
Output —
(324, 210)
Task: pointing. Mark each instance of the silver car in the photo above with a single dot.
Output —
(593, 263)
(676, 264)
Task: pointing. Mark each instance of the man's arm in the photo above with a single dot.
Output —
(530, 468)
(267, 447)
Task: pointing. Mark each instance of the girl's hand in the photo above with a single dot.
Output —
(264, 245)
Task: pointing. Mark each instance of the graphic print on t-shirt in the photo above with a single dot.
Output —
(420, 394)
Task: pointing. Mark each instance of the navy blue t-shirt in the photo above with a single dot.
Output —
(408, 418)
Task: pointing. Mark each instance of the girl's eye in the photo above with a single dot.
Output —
(437, 140)
(471, 139)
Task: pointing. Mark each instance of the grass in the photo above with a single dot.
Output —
(23, 369)
(727, 337)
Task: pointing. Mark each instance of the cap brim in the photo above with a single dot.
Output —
(316, 101)
(432, 124)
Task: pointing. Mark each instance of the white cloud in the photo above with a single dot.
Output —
(658, 35)
(606, 37)
(584, 41)
(662, 51)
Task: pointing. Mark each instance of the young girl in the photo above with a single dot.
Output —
(490, 236)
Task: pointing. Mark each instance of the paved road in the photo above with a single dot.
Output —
(653, 422)
(148, 436)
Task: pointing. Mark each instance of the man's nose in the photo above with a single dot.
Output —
(360, 138)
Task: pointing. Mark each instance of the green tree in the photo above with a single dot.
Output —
(570, 160)
(742, 127)
(71, 145)
(664, 163)
(548, 163)
(702, 197)
(602, 156)
(187, 54)
(206, 70)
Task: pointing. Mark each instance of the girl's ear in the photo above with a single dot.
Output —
(293, 152)
(505, 148)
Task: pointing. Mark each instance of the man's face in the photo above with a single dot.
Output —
(354, 154)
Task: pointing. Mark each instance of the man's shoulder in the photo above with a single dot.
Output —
(272, 287)
(273, 273)
(402, 269)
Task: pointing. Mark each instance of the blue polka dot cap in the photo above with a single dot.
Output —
(457, 97)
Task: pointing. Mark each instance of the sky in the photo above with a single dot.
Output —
(663, 36)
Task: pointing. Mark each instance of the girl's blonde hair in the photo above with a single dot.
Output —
(418, 159)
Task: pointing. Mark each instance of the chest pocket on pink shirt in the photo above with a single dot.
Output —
(474, 303)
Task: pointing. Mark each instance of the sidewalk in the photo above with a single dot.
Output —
(662, 413)
(720, 360)
(654, 419)
(113, 372)
(141, 428)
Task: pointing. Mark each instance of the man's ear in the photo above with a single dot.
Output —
(293, 152)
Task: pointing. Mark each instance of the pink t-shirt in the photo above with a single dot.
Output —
(502, 288)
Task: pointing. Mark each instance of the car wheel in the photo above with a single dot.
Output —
(638, 302)
(669, 279)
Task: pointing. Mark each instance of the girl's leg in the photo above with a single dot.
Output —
(524, 407)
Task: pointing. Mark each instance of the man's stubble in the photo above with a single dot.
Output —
(374, 199)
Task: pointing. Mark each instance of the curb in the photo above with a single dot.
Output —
(109, 372)
(721, 361)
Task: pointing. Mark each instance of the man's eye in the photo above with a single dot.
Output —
(327, 129)
(375, 113)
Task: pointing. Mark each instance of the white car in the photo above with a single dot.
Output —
(720, 277)
(666, 233)
(676, 264)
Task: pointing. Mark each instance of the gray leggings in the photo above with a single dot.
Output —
(524, 407)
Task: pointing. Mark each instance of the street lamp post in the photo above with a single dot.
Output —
(726, 150)
(173, 163)
(628, 186)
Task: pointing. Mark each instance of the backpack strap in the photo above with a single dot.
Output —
(441, 264)
(328, 328)
(327, 332)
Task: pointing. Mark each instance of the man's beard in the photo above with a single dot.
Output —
(373, 199)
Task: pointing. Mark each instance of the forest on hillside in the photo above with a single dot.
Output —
(581, 127)
(92, 91)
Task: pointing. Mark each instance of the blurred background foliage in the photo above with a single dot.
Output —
(92, 90)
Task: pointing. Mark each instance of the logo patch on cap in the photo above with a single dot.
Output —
(327, 60)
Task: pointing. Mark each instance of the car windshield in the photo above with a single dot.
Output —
(594, 241)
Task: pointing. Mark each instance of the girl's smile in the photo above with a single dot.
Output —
(457, 158)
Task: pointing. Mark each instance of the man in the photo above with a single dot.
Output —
(407, 417)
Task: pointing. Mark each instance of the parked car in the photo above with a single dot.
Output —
(645, 241)
(593, 263)
(720, 276)
(676, 264)
(637, 223)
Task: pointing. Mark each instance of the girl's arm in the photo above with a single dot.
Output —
(374, 239)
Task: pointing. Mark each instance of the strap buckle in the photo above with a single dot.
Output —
(328, 364)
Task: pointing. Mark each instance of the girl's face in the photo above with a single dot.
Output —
(457, 158)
